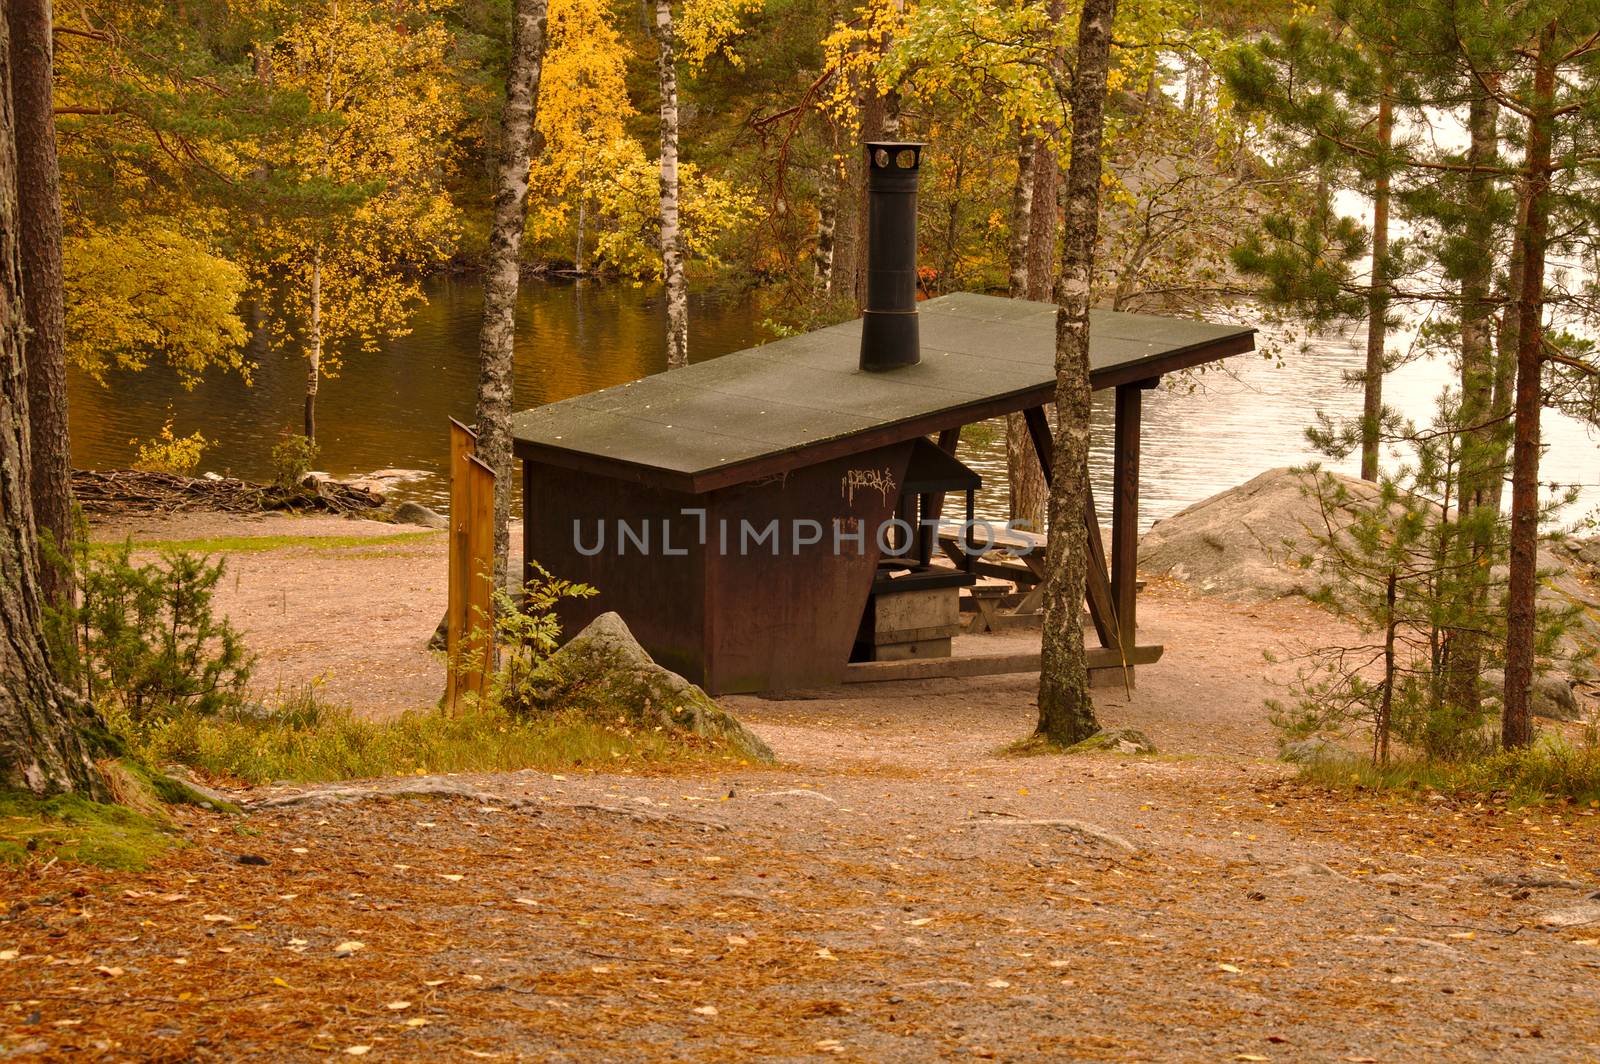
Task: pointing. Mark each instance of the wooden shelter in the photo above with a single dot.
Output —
(658, 492)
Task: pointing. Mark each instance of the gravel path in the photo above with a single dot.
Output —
(895, 891)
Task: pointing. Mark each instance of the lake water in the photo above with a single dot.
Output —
(389, 410)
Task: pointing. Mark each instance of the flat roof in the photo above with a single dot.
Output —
(802, 400)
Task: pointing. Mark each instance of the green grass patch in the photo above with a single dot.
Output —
(307, 741)
(1552, 770)
(68, 828)
(245, 544)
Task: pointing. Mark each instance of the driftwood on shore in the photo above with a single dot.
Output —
(139, 491)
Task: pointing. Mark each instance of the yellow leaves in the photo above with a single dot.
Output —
(142, 290)
(166, 452)
(709, 27)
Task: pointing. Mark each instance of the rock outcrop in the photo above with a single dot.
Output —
(605, 669)
(1247, 544)
(1242, 544)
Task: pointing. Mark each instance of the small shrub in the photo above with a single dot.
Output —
(292, 458)
(167, 452)
(527, 631)
(143, 643)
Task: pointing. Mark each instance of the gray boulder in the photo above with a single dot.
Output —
(603, 669)
(1553, 698)
(414, 513)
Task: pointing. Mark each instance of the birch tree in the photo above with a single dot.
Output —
(502, 274)
(706, 28)
(358, 202)
(677, 289)
(1066, 712)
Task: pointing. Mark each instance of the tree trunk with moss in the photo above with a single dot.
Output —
(1066, 712)
(42, 744)
(498, 334)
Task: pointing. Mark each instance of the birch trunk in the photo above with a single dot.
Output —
(1533, 226)
(498, 333)
(314, 345)
(39, 209)
(827, 219)
(1377, 299)
(671, 237)
(42, 744)
(1066, 713)
(1021, 215)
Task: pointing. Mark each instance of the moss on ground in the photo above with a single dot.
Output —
(69, 828)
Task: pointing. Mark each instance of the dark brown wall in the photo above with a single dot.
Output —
(787, 622)
(661, 598)
(730, 622)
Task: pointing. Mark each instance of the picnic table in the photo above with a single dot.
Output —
(1012, 555)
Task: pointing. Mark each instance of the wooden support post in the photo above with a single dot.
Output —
(478, 642)
(1097, 580)
(1125, 512)
(463, 445)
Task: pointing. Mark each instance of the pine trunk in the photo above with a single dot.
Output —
(1043, 214)
(1482, 454)
(1533, 225)
(1066, 713)
(671, 238)
(498, 333)
(1377, 298)
(39, 208)
(42, 745)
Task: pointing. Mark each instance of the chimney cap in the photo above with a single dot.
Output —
(895, 154)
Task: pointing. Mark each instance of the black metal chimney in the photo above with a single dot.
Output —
(889, 318)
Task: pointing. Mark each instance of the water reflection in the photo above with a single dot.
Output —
(389, 410)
